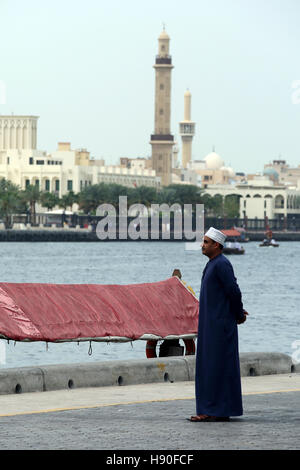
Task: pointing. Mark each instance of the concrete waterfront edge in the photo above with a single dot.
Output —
(129, 372)
(73, 235)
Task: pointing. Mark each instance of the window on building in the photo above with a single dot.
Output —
(161, 111)
(47, 185)
(37, 183)
(27, 183)
(161, 86)
(40, 162)
(56, 185)
(30, 160)
(8, 160)
(70, 185)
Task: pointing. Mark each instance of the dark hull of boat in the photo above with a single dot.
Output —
(275, 245)
(232, 251)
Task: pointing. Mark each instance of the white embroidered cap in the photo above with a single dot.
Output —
(216, 235)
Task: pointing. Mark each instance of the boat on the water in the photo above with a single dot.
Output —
(233, 251)
(233, 248)
(269, 243)
(232, 245)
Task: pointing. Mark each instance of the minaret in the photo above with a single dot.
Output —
(162, 140)
(187, 130)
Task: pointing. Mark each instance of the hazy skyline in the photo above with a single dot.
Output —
(86, 69)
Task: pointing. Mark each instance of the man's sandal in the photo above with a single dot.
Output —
(207, 419)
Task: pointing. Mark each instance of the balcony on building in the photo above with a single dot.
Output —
(163, 60)
(163, 137)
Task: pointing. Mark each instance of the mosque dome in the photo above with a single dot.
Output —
(230, 171)
(271, 172)
(213, 161)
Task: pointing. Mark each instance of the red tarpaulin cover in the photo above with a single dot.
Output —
(231, 233)
(66, 312)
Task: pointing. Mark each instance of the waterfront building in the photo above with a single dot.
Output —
(63, 170)
(131, 177)
(261, 198)
(280, 172)
(139, 163)
(162, 140)
(185, 176)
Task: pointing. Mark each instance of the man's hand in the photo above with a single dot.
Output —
(244, 319)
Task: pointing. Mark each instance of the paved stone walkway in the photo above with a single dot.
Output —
(270, 421)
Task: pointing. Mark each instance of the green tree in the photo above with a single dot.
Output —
(146, 195)
(92, 196)
(217, 207)
(232, 206)
(10, 202)
(114, 191)
(186, 193)
(48, 200)
(167, 195)
(67, 200)
(32, 195)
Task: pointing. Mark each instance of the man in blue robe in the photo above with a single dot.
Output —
(217, 381)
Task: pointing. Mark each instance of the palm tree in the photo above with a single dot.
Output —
(67, 200)
(186, 193)
(232, 206)
(32, 195)
(48, 200)
(10, 201)
(92, 196)
(145, 195)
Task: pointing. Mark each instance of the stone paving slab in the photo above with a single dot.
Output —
(269, 422)
(151, 416)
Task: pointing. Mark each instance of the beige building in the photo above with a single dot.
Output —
(131, 177)
(162, 140)
(63, 170)
(187, 131)
(18, 132)
(211, 170)
(261, 198)
(139, 163)
(281, 173)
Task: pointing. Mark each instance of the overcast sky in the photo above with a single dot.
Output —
(85, 67)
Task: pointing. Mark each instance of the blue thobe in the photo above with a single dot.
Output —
(217, 381)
